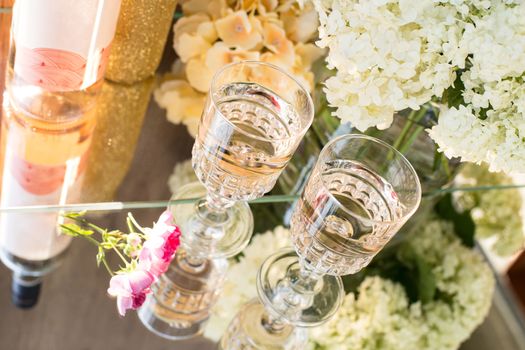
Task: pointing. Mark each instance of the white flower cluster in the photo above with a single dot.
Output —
(495, 213)
(240, 284)
(380, 316)
(491, 126)
(389, 55)
(397, 54)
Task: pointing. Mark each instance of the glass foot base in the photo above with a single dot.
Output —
(180, 302)
(209, 239)
(247, 332)
(277, 289)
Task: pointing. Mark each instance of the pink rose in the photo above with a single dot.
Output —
(159, 248)
(130, 289)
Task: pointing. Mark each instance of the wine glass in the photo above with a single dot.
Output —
(254, 118)
(359, 194)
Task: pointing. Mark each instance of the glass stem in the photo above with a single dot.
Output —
(217, 203)
(296, 291)
(271, 324)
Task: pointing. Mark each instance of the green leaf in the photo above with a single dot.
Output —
(453, 96)
(100, 256)
(464, 226)
(106, 245)
(74, 215)
(74, 230)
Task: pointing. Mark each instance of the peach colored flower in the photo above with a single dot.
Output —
(307, 54)
(182, 102)
(207, 31)
(188, 25)
(301, 24)
(275, 40)
(221, 54)
(199, 74)
(191, 45)
(214, 8)
(236, 30)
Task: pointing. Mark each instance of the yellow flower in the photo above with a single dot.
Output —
(198, 74)
(237, 30)
(191, 45)
(182, 102)
(275, 40)
(189, 25)
(190, 36)
(308, 54)
(221, 54)
(214, 8)
(301, 24)
(207, 31)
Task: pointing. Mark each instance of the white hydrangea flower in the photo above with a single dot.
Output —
(499, 139)
(493, 212)
(389, 55)
(380, 316)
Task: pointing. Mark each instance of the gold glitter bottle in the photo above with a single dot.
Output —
(120, 112)
(141, 34)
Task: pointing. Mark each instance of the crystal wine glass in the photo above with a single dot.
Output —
(358, 196)
(254, 118)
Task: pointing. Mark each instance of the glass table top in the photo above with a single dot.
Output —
(74, 311)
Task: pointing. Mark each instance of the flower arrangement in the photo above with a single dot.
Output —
(212, 34)
(380, 314)
(496, 214)
(145, 254)
(468, 56)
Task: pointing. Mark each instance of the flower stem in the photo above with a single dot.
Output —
(135, 223)
(97, 244)
(120, 255)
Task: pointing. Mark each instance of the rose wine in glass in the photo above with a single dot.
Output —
(254, 118)
(359, 194)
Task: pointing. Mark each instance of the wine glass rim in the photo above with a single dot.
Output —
(279, 70)
(405, 216)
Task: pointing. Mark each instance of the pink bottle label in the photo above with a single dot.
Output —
(63, 45)
(56, 70)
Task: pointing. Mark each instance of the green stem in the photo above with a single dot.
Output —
(135, 223)
(404, 131)
(130, 225)
(97, 244)
(120, 255)
(105, 263)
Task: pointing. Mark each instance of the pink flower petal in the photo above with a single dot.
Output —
(119, 286)
(166, 217)
(140, 280)
(124, 304)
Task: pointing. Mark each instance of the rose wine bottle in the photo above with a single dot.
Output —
(58, 54)
(42, 163)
